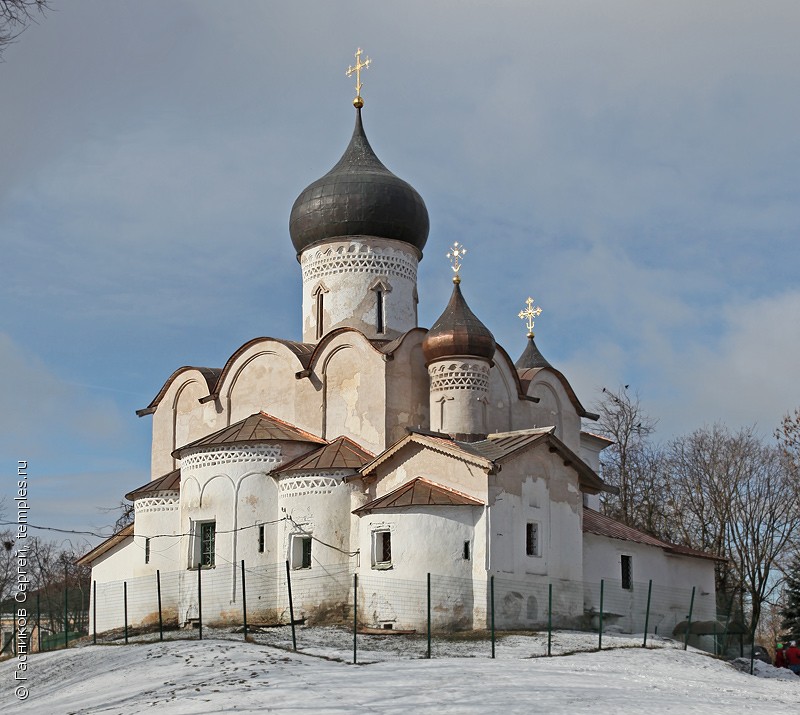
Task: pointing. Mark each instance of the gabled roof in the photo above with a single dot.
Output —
(420, 492)
(596, 523)
(441, 444)
(170, 482)
(496, 449)
(341, 453)
(106, 545)
(502, 446)
(259, 427)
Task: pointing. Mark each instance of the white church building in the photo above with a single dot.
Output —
(380, 448)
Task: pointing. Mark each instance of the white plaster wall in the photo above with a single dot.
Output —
(263, 378)
(179, 418)
(424, 540)
(407, 393)
(536, 487)
(156, 517)
(673, 577)
(346, 272)
(351, 375)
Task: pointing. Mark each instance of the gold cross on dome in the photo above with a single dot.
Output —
(456, 256)
(530, 313)
(356, 69)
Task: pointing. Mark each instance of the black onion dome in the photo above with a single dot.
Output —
(359, 197)
(531, 357)
(458, 332)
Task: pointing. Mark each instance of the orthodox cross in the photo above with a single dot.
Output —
(456, 255)
(358, 102)
(530, 313)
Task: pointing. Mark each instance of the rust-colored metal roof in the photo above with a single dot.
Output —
(596, 523)
(106, 545)
(259, 427)
(420, 492)
(341, 453)
(170, 482)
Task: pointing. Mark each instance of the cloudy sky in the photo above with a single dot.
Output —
(635, 167)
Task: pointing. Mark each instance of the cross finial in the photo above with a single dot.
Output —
(456, 256)
(356, 69)
(529, 314)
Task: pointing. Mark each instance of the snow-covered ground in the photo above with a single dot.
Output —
(218, 674)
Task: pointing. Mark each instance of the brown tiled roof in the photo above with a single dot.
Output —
(596, 523)
(170, 482)
(420, 492)
(104, 546)
(341, 453)
(259, 427)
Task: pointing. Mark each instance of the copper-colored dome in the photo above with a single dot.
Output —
(359, 197)
(458, 332)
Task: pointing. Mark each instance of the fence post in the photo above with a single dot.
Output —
(244, 603)
(199, 602)
(39, 620)
(125, 608)
(429, 614)
(647, 613)
(549, 618)
(724, 644)
(689, 621)
(491, 587)
(66, 624)
(355, 618)
(94, 611)
(291, 604)
(160, 615)
(600, 629)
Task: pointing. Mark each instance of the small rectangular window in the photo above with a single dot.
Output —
(301, 551)
(532, 539)
(381, 549)
(260, 538)
(466, 551)
(627, 572)
(379, 302)
(147, 550)
(208, 530)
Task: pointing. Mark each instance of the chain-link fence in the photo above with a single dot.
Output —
(331, 608)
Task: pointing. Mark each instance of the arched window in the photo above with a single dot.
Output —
(319, 309)
(380, 287)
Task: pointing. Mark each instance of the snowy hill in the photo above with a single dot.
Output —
(211, 676)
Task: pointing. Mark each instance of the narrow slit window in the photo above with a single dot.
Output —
(320, 310)
(260, 538)
(147, 550)
(532, 539)
(379, 304)
(626, 564)
(467, 551)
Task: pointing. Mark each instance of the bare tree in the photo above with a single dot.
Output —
(15, 16)
(733, 496)
(631, 463)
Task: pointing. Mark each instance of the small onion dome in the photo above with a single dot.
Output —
(458, 332)
(531, 357)
(359, 197)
